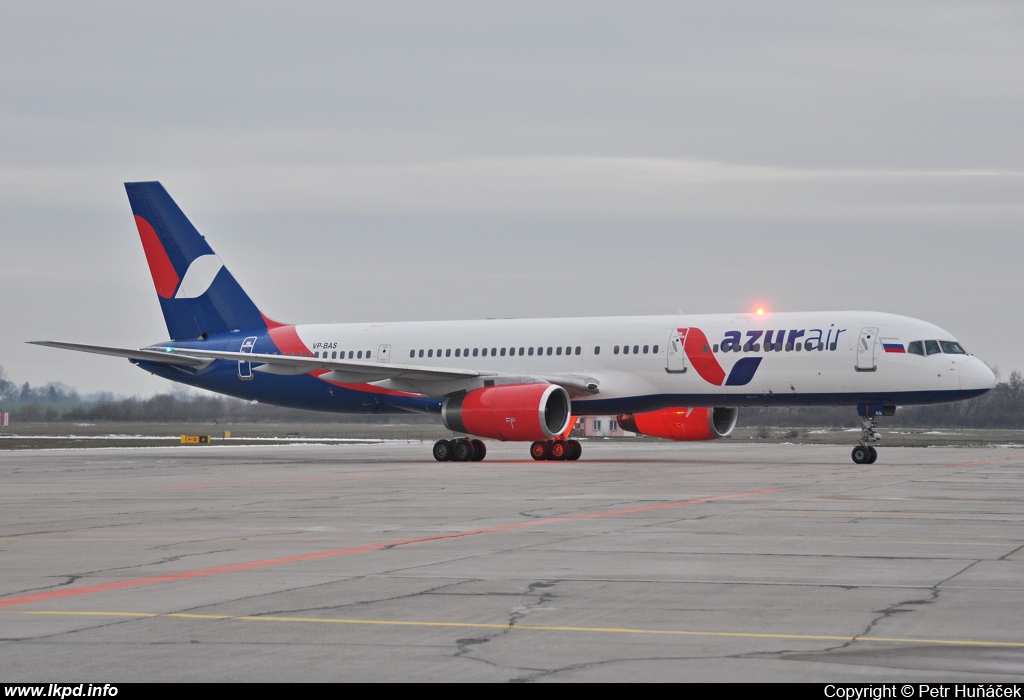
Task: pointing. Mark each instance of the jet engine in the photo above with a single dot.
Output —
(509, 412)
(697, 423)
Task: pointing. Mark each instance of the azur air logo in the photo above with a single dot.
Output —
(698, 352)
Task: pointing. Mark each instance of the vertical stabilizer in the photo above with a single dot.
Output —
(198, 295)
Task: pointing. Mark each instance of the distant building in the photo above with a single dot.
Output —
(599, 426)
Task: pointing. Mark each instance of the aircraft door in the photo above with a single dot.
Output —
(675, 360)
(245, 368)
(866, 347)
(384, 354)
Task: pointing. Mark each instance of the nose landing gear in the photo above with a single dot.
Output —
(864, 453)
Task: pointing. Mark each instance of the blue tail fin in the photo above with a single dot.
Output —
(198, 295)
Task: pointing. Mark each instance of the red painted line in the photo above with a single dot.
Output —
(984, 461)
(312, 556)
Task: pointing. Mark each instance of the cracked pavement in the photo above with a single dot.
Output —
(374, 563)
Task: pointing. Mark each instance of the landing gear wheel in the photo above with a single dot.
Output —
(463, 451)
(872, 455)
(442, 450)
(539, 450)
(860, 454)
(575, 450)
(559, 450)
(479, 450)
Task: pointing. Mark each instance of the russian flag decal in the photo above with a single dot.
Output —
(893, 345)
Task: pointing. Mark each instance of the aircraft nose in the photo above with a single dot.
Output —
(975, 375)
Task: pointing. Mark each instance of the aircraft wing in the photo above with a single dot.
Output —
(429, 380)
(142, 354)
(349, 370)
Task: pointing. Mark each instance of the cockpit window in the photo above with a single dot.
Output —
(951, 348)
(916, 348)
(931, 347)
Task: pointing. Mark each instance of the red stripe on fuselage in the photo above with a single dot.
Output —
(698, 352)
(165, 279)
(287, 340)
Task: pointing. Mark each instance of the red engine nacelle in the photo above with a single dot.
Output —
(683, 423)
(510, 412)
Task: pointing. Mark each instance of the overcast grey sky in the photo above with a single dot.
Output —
(393, 161)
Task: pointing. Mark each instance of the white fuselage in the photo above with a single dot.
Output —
(811, 358)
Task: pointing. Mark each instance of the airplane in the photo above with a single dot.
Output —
(679, 377)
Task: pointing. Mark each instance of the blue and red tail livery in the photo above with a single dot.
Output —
(197, 294)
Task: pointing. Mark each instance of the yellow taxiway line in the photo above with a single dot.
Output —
(533, 628)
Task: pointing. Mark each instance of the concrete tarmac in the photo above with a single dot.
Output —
(640, 562)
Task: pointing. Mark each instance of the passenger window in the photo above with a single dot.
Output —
(360, 355)
(636, 349)
(549, 350)
(931, 347)
(951, 348)
(503, 352)
(756, 347)
(531, 351)
(746, 348)
(558, 350)
(915, 348)
(798, 346)
(458, 352)
(352, 353)
(714, 348)
(421, 353)
(615, 350)
(334, 355)
(475, 351)
(646, 348)
(521, 351)
(465, 352)
(448, 352)
(578, 349)
(625, 349)
(655, 349)
(597, 349)
(430, 353)
(832, 347)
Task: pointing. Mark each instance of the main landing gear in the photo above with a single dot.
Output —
(556, 449)
(467, 450)
(459, 450)
(864, 453)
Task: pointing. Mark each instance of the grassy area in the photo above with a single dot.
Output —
(83, 435)
(896, 437)
(90, 435)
